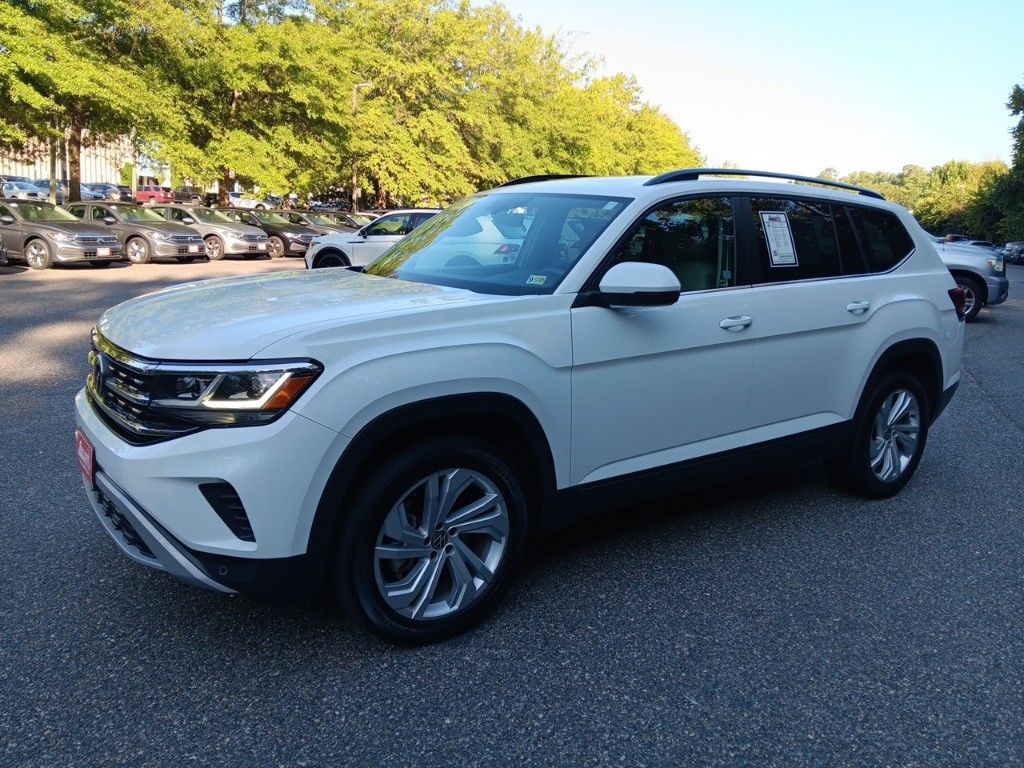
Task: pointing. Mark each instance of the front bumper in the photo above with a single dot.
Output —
(296, 248)
(167, 250)
(998, 289)
(64, 252)
(278, 471)
(237, 246)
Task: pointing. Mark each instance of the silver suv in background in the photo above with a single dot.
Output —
(223, 237)
(980, 271)
(42, 235)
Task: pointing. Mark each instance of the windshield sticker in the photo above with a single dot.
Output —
(779, 238)
(536, 279)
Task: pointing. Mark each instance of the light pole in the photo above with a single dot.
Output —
(355, 175)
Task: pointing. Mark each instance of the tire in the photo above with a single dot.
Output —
(276, 247)
(137, 250)
(37, 254)
(449, 562)
(878, 462)
(973, 291)
(331, 259)
(214, 248)
(260, 207)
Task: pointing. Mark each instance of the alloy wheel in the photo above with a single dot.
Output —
(969, 298)
(136, 251)
(36, 255)
(441, 544)
(894, 435)
(214, 251)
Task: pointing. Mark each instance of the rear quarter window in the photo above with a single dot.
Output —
(883, 238)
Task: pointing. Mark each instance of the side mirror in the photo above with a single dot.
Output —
(6, 220)
(188, 220)
(636, 284)
(108, 220)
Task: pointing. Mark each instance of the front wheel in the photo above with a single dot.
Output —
(430, 540)
(214, 248)
(331, 259)
(973, 291)
(276, 247)
(37, 255)
(890, 432)
(137, 250)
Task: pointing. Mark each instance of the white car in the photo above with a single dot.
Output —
(360, 248)
(393, 437)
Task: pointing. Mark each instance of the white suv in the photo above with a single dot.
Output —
(364, 245)
(393, 435)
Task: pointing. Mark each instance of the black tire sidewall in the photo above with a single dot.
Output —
(354, 569)
(856, 464)
(332, 255)
(976, 288)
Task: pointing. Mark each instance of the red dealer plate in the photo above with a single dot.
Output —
(86, 458)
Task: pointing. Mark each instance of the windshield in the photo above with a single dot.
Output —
(504, 243)
(135, 214)
(24, 186)
(358, 219)
(33, 212)
(269, 218)
(323, 221)
(210, 216)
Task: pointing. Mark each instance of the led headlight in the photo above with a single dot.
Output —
(157, 235)
(61, 237)
(996, 265)
(229, 395)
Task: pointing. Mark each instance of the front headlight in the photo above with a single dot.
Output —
(61, 237)
(997, 264)
(157, 235)
(230, 395)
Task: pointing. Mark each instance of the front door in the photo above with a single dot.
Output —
(373, 239)
(658, 385)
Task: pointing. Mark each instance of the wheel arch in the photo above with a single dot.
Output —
(918, 356)
(496, 418)
(331, 249)
(974, 277)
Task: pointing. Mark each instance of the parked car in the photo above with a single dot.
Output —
(320, 223)
(144, 235)
(103, 191)
(406, 429)
(363, 246)
(19, 190)
(23, 179)
(981, 272)
(351, 220)
(126, 193)
(43, 188)
(151, 194)
(286, 239)
(1014, 252)
(955, 238)
(223, 237)
(190, 195)
(242, 200)
(42, 235)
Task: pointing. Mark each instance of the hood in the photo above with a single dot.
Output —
(234, 318)
(70, 227)
(170, 227)
(293, 230)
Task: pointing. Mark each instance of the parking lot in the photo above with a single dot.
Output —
(771, 621)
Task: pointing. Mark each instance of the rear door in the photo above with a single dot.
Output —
(658, 385)
(811, 300)
(13, 234)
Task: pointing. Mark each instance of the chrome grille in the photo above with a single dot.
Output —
(105, 240)
(186, 239)
(255, 238)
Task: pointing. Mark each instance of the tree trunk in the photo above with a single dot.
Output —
(74, 194)
(224, 187)
(53, 171)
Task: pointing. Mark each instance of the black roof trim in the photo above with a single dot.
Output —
(542, 177)
(692, 174)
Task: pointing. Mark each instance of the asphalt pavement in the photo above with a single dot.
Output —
(773, 621)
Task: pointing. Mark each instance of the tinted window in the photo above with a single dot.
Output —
(796, 239)
(397, 224)
(77, 210)
(97, 214)
(883, 239)
(693, 238)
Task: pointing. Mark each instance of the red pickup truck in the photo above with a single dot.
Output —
(149, 194)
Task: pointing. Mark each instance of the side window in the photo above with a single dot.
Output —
(97, 214)
(796, 239)
(177, 214)
(77, 210)
(419, 218)
(295, 218)
(6, 212)
(399, 224)
(882, 237)
(694, 238)
(248, 218)
(159, 211)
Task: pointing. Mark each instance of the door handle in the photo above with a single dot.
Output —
(858, 306)
(736, 323)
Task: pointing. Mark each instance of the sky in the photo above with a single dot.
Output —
(802, 86)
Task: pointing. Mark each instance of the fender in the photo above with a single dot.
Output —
(931, 373)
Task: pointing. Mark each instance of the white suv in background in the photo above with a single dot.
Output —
(363, 246)
(393, 436)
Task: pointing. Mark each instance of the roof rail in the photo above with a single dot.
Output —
(692, 174)
(542, 177)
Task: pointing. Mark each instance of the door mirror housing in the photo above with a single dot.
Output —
(188, 220)
(6, 220)
(108, 220)
(635, 284)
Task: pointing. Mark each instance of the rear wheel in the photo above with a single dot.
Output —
(890, 432)
(37, 255)
(973, 292)
(430, 540)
